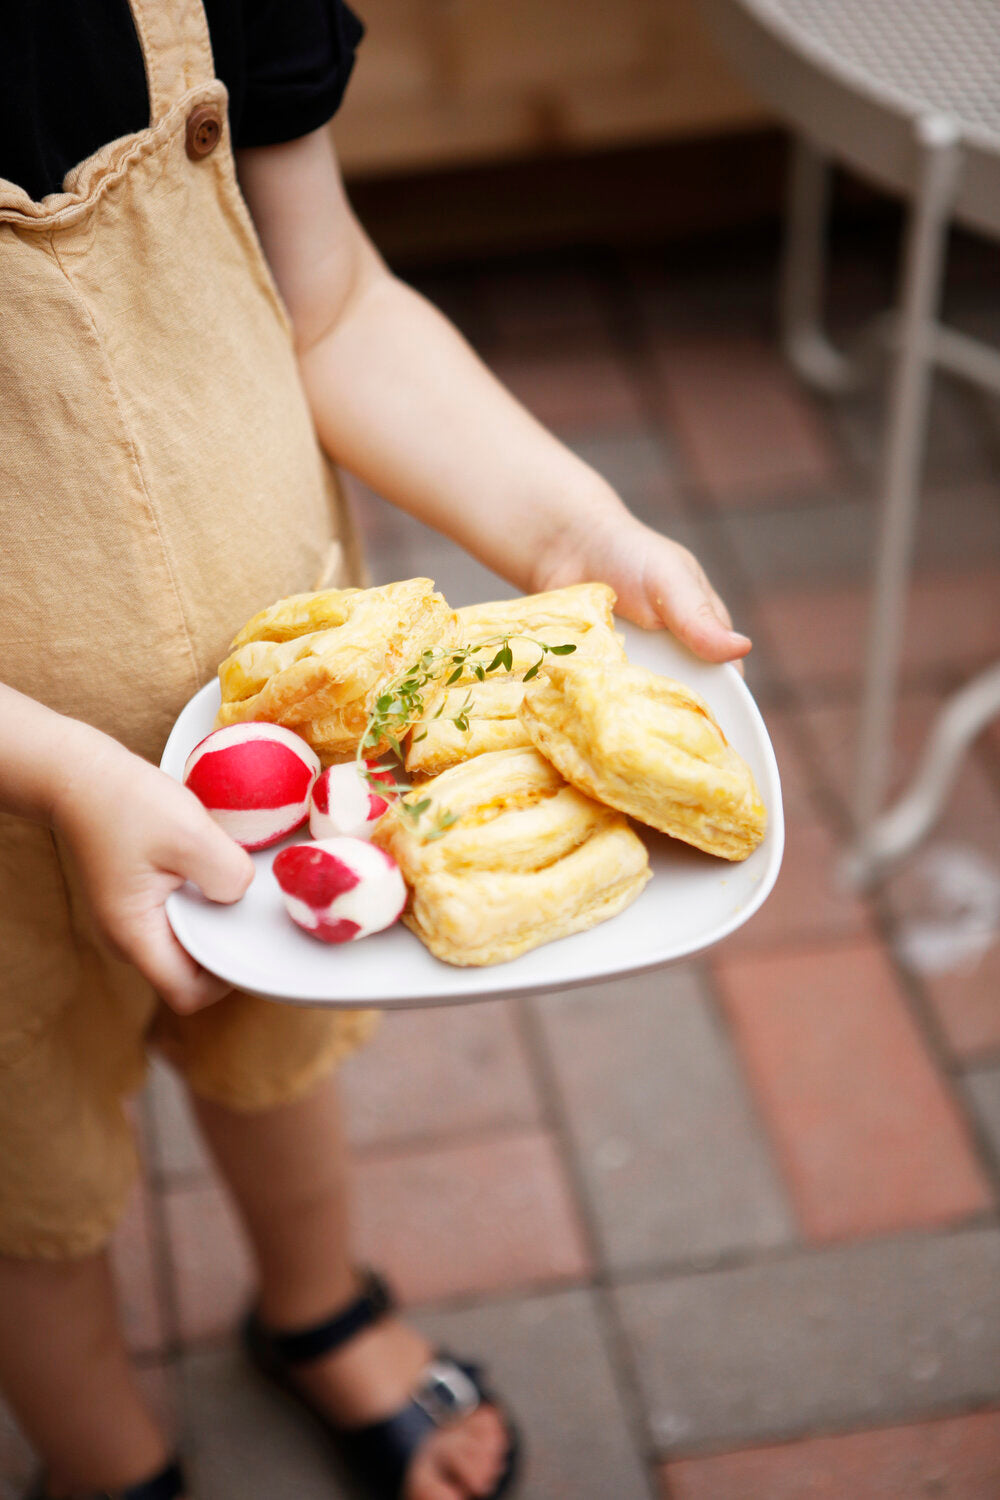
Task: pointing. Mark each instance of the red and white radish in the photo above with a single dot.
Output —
(340, 889)
(255, 780)
(344, 801)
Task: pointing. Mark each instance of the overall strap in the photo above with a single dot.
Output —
(176, 49)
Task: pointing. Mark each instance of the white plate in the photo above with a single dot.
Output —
(692, 901)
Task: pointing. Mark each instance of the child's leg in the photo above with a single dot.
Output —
(66, 1373)
(287, 1169)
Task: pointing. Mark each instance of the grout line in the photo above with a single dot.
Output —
(792, 1250)
(896, 1418)
(728, 1043)
(616, 1344)
(931, 1032)
(156, 1187)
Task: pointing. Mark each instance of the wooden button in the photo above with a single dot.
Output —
(204, 131)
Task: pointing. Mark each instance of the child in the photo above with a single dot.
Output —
(161, 480)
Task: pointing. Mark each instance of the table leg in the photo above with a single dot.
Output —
(923, 268)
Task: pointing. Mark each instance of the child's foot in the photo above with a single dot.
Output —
(372, 1376)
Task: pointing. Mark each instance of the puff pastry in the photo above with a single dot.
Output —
(316, 662)
(579, 615)
(648, 746)
(528, 859)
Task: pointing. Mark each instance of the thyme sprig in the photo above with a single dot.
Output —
(401, 705)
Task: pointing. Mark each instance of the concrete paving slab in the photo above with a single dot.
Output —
(872, 1334)
(674, 1162)
(547, 1360)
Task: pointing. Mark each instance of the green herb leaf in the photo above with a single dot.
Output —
(454, 676)
(561, 650)
(531, 672)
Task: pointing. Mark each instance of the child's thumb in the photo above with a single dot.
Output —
(216, 864)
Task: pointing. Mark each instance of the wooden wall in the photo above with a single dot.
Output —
(452, 82)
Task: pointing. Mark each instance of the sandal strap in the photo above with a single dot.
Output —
(300, 1345)
(168, 1484)
(382, 1451)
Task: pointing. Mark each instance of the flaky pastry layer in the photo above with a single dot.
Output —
(528, 859)
(580, 615)
(648, 746)
(317, 662)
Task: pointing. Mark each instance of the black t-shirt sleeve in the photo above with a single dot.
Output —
(72, 77)
(299, 55)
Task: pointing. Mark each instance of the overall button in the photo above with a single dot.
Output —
(204, 131)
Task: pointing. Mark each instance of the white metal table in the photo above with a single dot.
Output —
(907, 94)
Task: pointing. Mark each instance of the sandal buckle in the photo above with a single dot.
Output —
(446, 1393)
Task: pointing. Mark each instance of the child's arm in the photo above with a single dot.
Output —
(401, 400)
(134, 834)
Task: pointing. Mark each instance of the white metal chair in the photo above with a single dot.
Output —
(907, 94)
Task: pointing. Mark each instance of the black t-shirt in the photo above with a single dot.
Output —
(72, 76)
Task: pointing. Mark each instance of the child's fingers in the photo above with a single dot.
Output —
(173, 973)
(216, 864)
(691, 608)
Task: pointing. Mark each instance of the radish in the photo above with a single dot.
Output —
(254, 779)
(340, 889)
(345, 802)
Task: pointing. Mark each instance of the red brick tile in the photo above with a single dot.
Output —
(809, 900)
(210, 1260)
(954, 1458)
(133, 1260)
(472, 1218)
(969, 817)
(967, 1001)
(967, 1005)
(785, 727)
(833, 733)
(434, 1073)
(571, 393)
(744, 426)
(953, 621)
(868, 1137)
(531, 308)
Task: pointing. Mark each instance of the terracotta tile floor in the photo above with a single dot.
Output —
(729, 1232)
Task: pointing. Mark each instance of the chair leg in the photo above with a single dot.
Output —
(803, 275)
(923, 268)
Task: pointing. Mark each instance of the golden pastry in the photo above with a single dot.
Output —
(527, 859)
(648, 746)
(317, 662)
(579, 615)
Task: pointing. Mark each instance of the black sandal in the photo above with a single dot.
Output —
(167, 1485)
(380, 1453)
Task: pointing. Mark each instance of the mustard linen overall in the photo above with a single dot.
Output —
(160, 481)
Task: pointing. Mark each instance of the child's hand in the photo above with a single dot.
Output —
(658, 582)
(136, 835)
